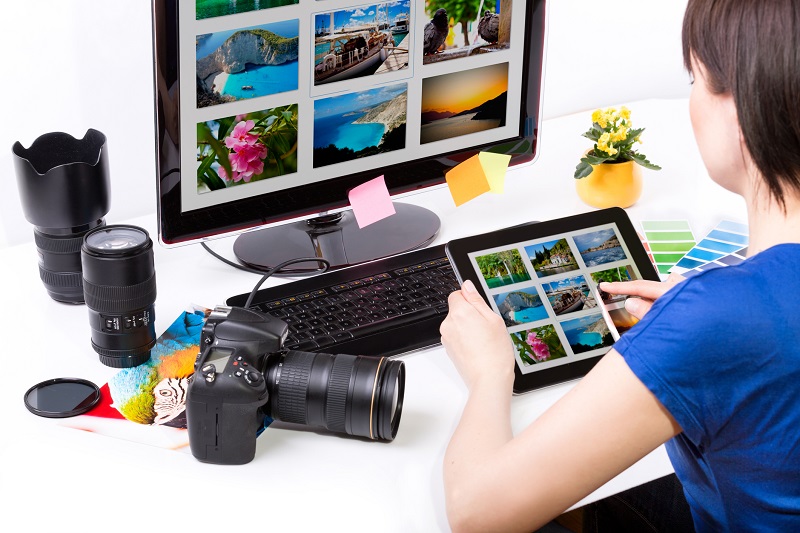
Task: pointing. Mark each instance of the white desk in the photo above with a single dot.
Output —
(54, 478)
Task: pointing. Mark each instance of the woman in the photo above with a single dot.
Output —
(712, 369)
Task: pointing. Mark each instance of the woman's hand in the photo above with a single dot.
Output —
(476, 339)
(645, 292)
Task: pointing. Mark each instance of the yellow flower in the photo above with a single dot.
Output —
(598, 113)
(620, 134)
(625, 113)
(604, 146)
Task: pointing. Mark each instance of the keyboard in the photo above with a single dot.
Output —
(387, 307)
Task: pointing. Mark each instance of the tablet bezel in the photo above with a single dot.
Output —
(458, 251)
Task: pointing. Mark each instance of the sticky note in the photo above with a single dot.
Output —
(669, 241)
(726, 240)
(481, 173)
(371, 202)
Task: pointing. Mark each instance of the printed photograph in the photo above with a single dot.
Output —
(599, 247)
(520, 307)
(464, 102)
(622, 319)
(552, 257)
(622, 273)
(538, 345)
(233, 151)
(246, 63)
(587, 333)
(360, 124)
(502, 268)
(464, 28)
(366, 40)
(569, 295)
(205, 9)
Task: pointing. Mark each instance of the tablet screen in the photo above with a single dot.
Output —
(545, 287)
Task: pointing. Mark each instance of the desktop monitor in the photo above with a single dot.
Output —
(268, 112)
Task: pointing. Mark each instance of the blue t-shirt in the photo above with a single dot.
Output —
(721, 351)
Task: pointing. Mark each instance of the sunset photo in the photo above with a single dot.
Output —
(464, 102)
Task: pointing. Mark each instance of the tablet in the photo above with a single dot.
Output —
(542, 279)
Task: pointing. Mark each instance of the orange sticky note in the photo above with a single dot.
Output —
(481, 173)
(371, 202)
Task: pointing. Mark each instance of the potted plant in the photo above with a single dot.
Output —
(609, 174)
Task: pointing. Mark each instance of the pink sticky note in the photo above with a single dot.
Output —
(371, 202)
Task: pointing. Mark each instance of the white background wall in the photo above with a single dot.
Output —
(70, 65)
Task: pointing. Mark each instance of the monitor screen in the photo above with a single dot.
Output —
(268, 112)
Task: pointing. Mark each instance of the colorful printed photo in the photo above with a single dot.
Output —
(502, 268)
(520, 307)
(552, 257)
(366, 40)
(538, 345)
(587, 333)
(599, 247)
(622, 273)
(461, 29)
(232, 151)
(360, 124)
(569, 295)
(246, 63)
(205, 9)
(464, 102)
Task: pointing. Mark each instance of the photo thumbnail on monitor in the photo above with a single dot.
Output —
(520, 307)
(361, 41)
(233, 151)
(551, 257)
(462, 29)
(538, 345)
(205, 9)
(360, 124)
(599, 247)
(502, 268)
(568, 295)
(247, 63)
(464, 102)
(587, 333)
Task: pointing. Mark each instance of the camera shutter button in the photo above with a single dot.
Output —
(253, 377)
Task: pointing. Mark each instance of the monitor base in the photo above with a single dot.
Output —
(338, 239)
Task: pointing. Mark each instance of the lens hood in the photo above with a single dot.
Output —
(63, 181)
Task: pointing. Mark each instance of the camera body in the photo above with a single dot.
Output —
(224, 406)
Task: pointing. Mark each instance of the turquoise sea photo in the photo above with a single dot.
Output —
(219, 8)
(360, 124)
(587, 333)
(520, 307)
(246, 62)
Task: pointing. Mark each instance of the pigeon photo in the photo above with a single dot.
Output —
(467, 29)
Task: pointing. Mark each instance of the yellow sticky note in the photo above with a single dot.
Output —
(483, 172)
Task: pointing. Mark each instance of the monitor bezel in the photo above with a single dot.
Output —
(178, 227)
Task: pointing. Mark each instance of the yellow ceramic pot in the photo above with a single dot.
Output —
(611, 185)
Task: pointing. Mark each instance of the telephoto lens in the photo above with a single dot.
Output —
(119, 284)
(64, 187)
(355, 394)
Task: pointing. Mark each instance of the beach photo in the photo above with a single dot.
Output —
(520, 306)
(360, 124)
(464, 102)
(552, 257)
(502, 268)
(621, 273)
(233, 151)
(569, 295)
(538, 345)
(587, 333)
(452, 30)
(362, 41)
(599, 247)
(205, 9)
(246, 63)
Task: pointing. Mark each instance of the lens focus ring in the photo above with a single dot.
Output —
(105, 299)
(338, 386)
(293, 387)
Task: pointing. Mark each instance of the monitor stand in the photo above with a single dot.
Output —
(337, 238)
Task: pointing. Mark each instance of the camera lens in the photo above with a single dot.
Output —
(119, 287)
(64, 188)
(354, 394)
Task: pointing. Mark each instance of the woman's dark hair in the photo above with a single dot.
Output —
(751, 49)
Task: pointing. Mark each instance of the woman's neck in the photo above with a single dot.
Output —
(769, 223)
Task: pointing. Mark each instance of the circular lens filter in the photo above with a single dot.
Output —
(62, 397)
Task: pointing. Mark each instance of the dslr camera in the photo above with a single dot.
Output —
(244, 377)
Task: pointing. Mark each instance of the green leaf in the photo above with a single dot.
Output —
(222, 154)
(595, 160)
(642, 160)
(213, 181)
(582, 170)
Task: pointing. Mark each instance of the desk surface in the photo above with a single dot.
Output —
(56, 478)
